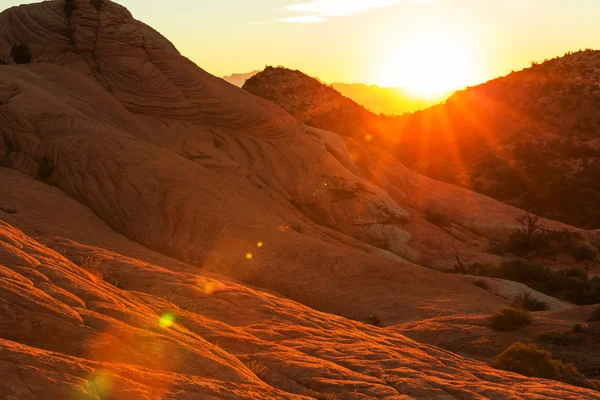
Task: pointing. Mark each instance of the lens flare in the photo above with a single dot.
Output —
(260, 245)
(249, 256)
(167, 320)
(100, 384)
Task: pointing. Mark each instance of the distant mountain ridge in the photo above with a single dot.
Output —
(523, 139)
(385, 100)
(239, 79)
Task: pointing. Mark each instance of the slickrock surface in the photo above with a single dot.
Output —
(66, 333)
(551, 330)
(135, 185)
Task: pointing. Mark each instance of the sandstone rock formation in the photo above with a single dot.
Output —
(135, 187)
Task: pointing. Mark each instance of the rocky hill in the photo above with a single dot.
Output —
(167, 235)
(311, 101)
(379, 100)
(523, 139)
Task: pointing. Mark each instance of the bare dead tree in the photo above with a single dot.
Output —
(529, 226)
(460, 267)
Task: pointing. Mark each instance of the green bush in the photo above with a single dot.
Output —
(531, 361)
(21, 54)
(510, 319)
(525, 301)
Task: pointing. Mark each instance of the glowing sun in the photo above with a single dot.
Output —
(428, 67)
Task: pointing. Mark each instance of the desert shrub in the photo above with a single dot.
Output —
(5, 60)
(554, 337)
(578, 328)
(517, 245)
(510, 319)
(527, 360)
(574, 273)
(583, 253)
(595, 315)
(531, 361)
(258, 368)
(70, 6)
(46, 168)
(373, 320)
(92, 265)
(526, 301)
(97, 4)
(524, 272)
(532, 239)
(571, 285)
(480, 283)
(570, 243)
(21, 54)
(437, 218)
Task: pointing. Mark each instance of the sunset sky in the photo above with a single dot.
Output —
(424, 45)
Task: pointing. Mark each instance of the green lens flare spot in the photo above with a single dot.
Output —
(100, 384)
(167, 320)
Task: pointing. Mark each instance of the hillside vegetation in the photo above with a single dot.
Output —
(525, 139)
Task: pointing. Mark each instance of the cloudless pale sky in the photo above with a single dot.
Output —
(372, 41)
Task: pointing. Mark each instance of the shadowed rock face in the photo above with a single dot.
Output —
(166, 175)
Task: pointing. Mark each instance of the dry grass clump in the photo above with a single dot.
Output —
(258, 368)
(92, 265)
(510, 319)
(526, 301)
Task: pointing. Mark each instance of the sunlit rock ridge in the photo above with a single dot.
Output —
(167, 235)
